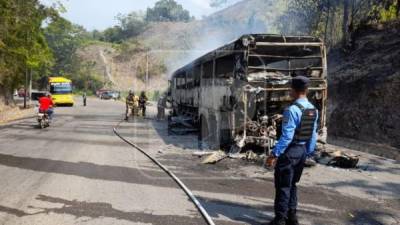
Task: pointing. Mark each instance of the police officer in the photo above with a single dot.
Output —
(84, 98)
(297, 142)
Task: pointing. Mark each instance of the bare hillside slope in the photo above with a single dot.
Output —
(365, 87)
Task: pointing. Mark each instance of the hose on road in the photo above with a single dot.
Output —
(189, 193)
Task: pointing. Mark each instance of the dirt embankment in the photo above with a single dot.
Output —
(14, 112)
(365, 88)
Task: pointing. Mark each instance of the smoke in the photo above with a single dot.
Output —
(197, 38)
(217, 30)
(200, 47)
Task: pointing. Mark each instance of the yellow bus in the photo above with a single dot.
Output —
(61, 91)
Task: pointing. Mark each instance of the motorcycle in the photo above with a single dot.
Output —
(43, 120)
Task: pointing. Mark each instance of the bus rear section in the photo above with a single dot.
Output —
(61, 91)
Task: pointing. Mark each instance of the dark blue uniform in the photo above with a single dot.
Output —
(292, 153)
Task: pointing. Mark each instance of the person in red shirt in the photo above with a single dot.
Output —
(46, 105)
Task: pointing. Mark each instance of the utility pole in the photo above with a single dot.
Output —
(26, 77)
(25, 87)
(30, 87)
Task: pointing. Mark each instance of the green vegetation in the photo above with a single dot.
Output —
(23, 46)
(35, 40)
(133, 24)
(167, 11)
(129, 26)
(336, 21)
(65, 38)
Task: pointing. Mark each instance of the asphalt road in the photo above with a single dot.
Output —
(78, 172)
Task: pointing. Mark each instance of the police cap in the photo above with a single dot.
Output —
(300, 83)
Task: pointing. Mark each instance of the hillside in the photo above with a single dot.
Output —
(179, 43)
(365, 87)
(123, 68)
(172, 44)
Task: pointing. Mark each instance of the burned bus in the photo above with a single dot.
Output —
(236, 94)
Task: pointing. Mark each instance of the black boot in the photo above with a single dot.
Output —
(292, 218)
(278, 221)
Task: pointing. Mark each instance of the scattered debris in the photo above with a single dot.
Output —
(180, 125)
(237, 156)
(334, 158)
(202, 153)
(252, 156)
(338, 159)
(215, 157)
(310, 163)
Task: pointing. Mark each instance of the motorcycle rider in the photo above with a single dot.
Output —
(46, 105)
(142, 103)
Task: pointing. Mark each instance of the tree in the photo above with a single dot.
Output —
(336, 21)
(132, 24)
(64, 39)
(345, 25)
(113, 34)
(129, 26)
(23, 45)
(167, 11)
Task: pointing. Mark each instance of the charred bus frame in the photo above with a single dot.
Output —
(236, 95)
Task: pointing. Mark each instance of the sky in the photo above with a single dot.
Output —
(100, 14)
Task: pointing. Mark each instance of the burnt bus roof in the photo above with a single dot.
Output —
(239, 45)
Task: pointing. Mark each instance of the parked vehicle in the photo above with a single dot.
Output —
(21, 93)
(115, 95)
(101, 91)
(36, 95)
(106, 96)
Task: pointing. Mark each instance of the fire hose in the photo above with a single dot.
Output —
(188, 192)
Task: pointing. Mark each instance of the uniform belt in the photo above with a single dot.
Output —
(298, 143)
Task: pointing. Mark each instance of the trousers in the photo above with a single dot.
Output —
(288, 171)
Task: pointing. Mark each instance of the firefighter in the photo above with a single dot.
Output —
(142, 103)
(297, 142)
(132, 103)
